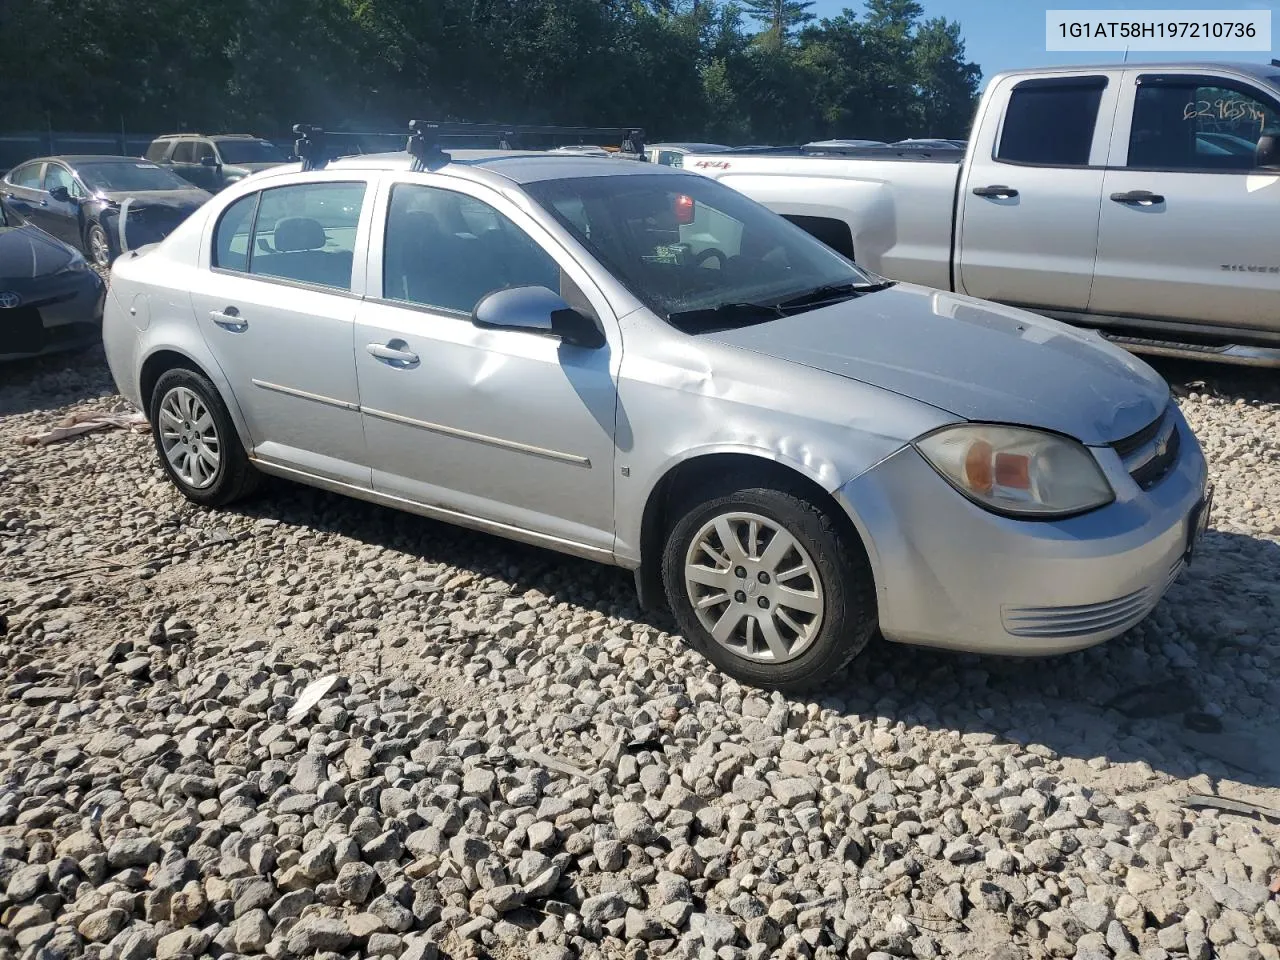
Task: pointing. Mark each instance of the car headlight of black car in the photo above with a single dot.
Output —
(76, 263)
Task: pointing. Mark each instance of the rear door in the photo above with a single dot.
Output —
(1028, 207)
(276, 300)
(1188, 226)
(182, 161)
(22, 189)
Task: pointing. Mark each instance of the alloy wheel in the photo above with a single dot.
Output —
(754, 588)
(189, 438)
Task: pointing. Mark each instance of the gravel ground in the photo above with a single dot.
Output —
(511, 760)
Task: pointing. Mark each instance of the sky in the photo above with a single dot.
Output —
(1005, 34)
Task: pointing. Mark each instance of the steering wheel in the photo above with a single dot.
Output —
(702, 256)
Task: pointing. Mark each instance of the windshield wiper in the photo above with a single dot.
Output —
(724, 315)
(831, 293)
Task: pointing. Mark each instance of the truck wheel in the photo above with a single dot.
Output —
(764, 585)
(197, 442)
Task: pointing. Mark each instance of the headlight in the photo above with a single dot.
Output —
(77, 262)
(1017, 471)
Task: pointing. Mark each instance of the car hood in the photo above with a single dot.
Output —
(27, 252)
(974, 359)
(252, 167)
(178, 199)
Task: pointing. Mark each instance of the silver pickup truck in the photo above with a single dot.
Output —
(1140, 199)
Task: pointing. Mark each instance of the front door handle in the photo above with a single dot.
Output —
(229, 319)
(998, 190)
(1141, 198)
(395, 353)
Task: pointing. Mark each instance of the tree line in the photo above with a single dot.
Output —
(752, 71)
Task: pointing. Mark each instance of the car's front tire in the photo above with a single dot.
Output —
(197, 441)
(98, 246)
(765, 584)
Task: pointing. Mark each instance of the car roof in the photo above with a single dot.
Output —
(518, 166)
(74, 158)
(1263, 71)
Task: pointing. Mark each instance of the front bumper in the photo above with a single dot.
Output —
(950, 574)
(62, 312)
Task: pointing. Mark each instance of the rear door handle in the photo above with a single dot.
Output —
(229, 319)
(395, 353)
(997, 190)
(1143, 198)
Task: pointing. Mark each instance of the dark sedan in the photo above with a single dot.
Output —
(102, 205)
(50, 299)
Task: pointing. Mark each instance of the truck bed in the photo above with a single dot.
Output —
(891, 213)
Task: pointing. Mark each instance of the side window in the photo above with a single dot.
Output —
(307, 232)
(231, 236)
(203, 149)
(447, 250)
(56, 175)
(1051, 122)
(1180, 126)
(26, 176)
(670, 158)
(184, 152)
(156, 152)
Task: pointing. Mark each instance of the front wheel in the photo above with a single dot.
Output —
(764, 584)
(99, 246)
(197, 442)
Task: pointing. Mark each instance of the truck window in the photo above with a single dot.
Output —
(1050, 122)
(157, 150)
(1190, 125)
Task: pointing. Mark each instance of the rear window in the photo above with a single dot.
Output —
(1051, 122)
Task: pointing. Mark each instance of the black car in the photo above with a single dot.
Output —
(50, 299)
(103, 205)
(212, 162)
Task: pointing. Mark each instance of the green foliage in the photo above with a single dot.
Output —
(745, 71)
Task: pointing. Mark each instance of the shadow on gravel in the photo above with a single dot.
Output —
(1219, 379)
(54, 381)
(1190, 691)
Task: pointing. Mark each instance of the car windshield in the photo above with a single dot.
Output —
(696, 252)
(250, 151)
(129, 175)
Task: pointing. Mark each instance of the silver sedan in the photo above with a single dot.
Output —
(641, 366)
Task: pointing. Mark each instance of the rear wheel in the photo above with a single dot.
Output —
(765, 585)
(197, 442)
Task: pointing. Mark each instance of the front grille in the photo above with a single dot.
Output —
(1082, 620)
(1150, 454)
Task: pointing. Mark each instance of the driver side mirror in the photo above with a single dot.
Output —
(537, 310)
(61, 194)
(1267, 152)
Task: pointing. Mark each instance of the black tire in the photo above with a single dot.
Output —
(847, 587)
(97, 244)
(234, 477)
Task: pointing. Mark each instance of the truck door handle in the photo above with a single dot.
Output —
(395, 353)
(229, 319)
(997, 190)
(1144, 198)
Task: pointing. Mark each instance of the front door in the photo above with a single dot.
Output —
(1028, 207)
(61, 217)
(1188, 220)
(511, 427)
(276, 308)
